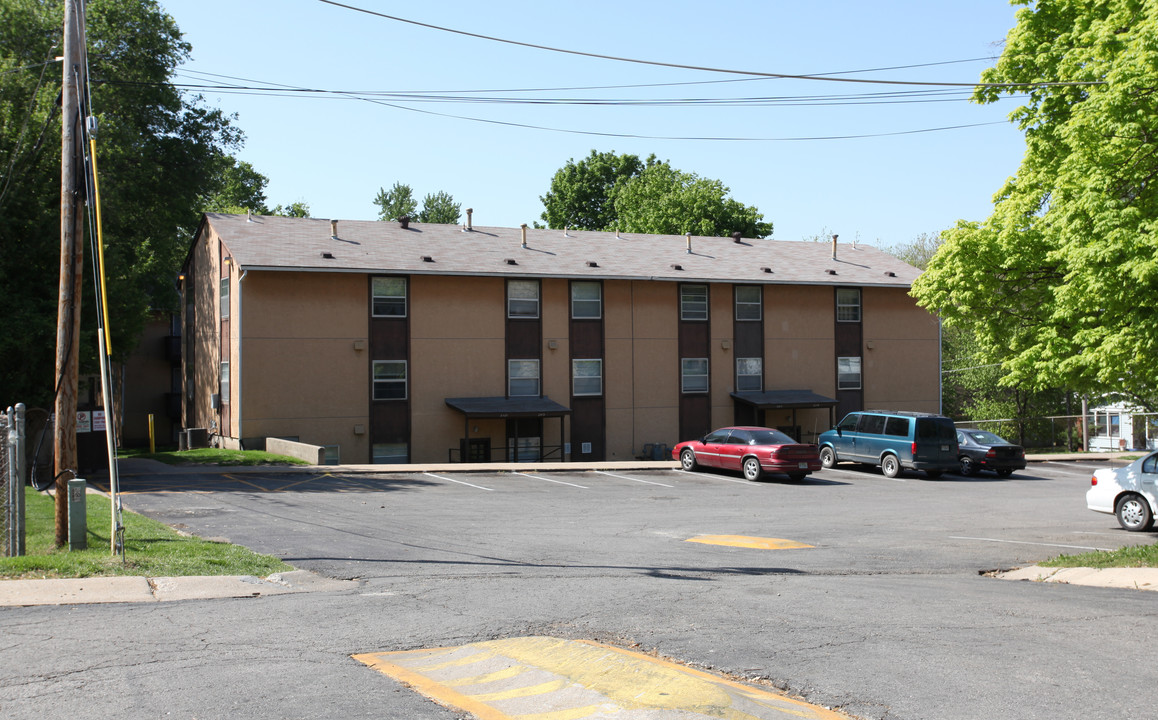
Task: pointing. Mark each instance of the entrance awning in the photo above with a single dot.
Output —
(508, 407)
(785, 399)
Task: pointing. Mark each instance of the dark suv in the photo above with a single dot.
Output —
(894, 441)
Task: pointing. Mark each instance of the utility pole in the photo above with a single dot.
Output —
(71, 263)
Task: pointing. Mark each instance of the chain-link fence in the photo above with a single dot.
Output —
(12, 478)
(1112, 430)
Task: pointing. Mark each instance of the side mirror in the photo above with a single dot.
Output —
(839, 432)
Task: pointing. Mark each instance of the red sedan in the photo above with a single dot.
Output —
(750, 450)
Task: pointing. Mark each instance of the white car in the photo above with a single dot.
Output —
(1130, 492)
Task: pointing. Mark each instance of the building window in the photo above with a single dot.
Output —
(225, 382)
(749, 374)
(333, 455)
(693, 302)
(694, 375)
(586, 300)
(847, 305)
(848, 373)
(388, 296)
(522, 299)
(389, 379)
(523, 378)
(1115, 422)
(749, 302)
(390, 453)
(225, 298)
(587, 377)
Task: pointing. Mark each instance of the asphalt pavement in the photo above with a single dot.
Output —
(139, 589)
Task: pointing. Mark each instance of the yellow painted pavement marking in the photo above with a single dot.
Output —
(744, 541)
(543, 678)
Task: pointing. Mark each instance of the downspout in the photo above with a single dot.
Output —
(240, 348)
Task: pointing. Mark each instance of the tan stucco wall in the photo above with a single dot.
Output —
(302, 372)
(901, 364)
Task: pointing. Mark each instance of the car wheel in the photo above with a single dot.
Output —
(968, 466)
(1004, 472)
(827, 457)
(1134, 513)
(797, 477)
(890, 466)
(688, 460)
(932, 474)
(752, 469)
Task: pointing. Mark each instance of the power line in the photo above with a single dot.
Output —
(655, 63)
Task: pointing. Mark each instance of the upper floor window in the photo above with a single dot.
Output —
(224, 382)
(389, 379)
(586, 300)
(523, 378)
(225, 297)
(523, 299)
(693, 302)
(694, 375)
(587, 377)
(848, 373)
(749, 305)
(848, 305)
(749, 374)
(388, 296)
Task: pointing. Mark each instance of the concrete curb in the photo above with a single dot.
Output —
(136, 589)
(1133, 578)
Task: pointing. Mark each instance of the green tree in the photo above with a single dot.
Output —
(1060, 283)
(439, 207)
(299, 209)
(396, 202)
(581, 194)
(666, 201)
(238, 188)
(159, 155)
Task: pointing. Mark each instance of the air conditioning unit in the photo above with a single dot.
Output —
(215, 401)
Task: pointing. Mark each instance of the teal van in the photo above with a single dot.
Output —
(895, 441)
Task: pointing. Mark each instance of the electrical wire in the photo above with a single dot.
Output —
(680, 66)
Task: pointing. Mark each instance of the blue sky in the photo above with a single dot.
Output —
(335, 151)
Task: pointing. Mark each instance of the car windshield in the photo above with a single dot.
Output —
(982, 437)
(771, 437)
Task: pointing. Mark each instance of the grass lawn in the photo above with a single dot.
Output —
(213, 456)
(151, 548)
(1137, 556)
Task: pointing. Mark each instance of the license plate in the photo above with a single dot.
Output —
(944, 448)
(802, 466)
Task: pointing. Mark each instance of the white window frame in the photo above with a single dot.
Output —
(586, 377)
(581, 307)
(694, 302)
(224, 382)
(390, 299)
(521, 302)
(694, 375)
(388, 453)
(749, 306)
(512, 377)
(846, 369)
(390, 381)
(758, 385)
(223, 297)
(848, 308)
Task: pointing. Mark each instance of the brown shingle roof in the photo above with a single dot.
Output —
(280, 243)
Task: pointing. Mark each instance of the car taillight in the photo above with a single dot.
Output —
(1093, 481)
(991, 453)
(913, 451)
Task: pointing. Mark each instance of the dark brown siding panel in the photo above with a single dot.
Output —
(389, 340)
(695, 416)
(848, 339)
(694, 339)
(749, 339)
(586, 338)
(588, 426)
(524, 339)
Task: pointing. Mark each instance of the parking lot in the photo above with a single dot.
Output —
(849, 589)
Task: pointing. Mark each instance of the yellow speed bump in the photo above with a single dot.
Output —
(543, 678)
(744, 541)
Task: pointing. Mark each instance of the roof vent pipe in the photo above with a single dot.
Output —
(334, 229)
(248, 216)
(524, 228)
(469, 223)
(689, 243)
(834, 237)
(566, 231)
(737, 237)
(404, 221)
(616, 233)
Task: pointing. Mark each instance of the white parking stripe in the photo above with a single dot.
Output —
(649, 482)
(1022, 542)
(859, 473)
(583, 487)
(460, 482)
(720, 477)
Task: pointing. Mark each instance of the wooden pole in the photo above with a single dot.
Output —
(71, 266)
